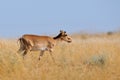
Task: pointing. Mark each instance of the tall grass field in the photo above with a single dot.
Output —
(88, 57)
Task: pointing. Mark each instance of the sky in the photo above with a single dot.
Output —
(47, 17)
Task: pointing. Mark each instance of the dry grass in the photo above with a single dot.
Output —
(94, 57)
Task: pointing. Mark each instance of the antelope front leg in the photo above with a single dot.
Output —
(41, 54)
(52, 57)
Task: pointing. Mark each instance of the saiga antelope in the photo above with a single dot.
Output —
(30, 42)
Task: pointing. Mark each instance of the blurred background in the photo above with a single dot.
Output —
(47, 17)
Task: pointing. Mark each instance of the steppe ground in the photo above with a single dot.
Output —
(88, 57)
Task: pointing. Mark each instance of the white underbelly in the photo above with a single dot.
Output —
(37, 47)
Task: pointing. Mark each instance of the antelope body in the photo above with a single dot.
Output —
(29, 42)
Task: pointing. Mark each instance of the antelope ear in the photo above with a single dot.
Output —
(61, 31)
(64, 31)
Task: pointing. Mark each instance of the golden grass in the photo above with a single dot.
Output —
(89, 58)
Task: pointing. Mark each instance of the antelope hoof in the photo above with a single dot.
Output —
(39, 59)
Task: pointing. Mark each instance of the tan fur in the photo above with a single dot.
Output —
(29, 42)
